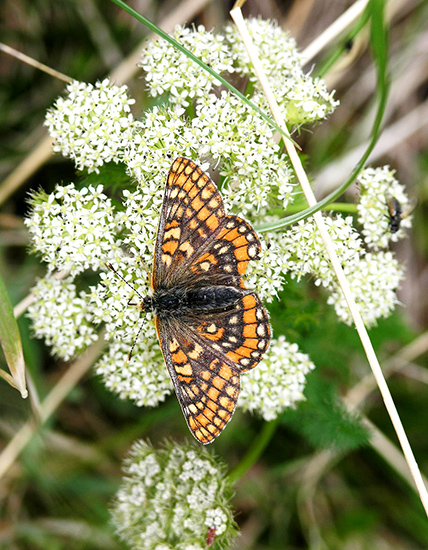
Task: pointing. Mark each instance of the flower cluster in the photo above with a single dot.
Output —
(172, 499)
(169, 70)
(307, 254)
(145, 379)
(373, 282)
(73, 229)
(92, 125)
(373, 277)
(378, 187)
(303, 99)
(278, 381)
(61, 316)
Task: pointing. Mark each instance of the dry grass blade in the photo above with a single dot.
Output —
(58, 393)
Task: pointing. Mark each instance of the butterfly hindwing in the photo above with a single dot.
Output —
(241, 334)
(205, 356)
(207, 385)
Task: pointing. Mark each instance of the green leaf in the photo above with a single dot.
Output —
(10, 341)
(323, 419)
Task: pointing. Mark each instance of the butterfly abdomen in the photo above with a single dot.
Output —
(182, 301)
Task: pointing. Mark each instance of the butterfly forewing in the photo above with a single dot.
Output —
(190, 219)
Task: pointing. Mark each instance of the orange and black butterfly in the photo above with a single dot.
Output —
(210, 327)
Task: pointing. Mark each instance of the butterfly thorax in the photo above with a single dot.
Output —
(174, 302)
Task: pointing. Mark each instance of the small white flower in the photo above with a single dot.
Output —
(170, 498)
(93, 124)
(303, 99)
(373, 282)
(61, 317)
(373, 278)
(74, 230)
(277, 382)
(144, 379)
(168, 70)
(307, 253)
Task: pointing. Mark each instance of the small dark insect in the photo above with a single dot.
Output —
(398, 213)
(211, 535)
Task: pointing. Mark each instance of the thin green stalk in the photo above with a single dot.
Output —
(255, 451)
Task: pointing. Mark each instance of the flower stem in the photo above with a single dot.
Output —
(255, 451)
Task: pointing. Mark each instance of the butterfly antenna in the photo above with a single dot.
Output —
(135, 341)
(108, 264)
(146, 269)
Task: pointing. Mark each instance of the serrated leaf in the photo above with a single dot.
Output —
(10, 340)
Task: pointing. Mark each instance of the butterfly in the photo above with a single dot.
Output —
(398, 213)
(210, 327)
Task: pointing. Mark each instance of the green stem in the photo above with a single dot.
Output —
(333, 207)
(255, 451)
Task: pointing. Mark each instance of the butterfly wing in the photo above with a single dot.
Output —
(196, 242)
(206, 356)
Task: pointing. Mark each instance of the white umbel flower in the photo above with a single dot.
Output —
(303, 99)
(277, 382)
(170, 498)
(73, 229)
(373, 282)
(92, 124)
(61, 316)
(307, 253)
(169, 70)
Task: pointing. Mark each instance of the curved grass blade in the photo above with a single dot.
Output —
(379, 47)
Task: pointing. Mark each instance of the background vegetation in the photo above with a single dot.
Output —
(320, 482)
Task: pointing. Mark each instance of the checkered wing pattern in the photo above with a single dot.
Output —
(197, 244)
(205, 357)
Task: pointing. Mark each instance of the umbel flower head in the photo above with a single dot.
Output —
(373, 278)
(173, 499)
(92, 124)
(378, 186)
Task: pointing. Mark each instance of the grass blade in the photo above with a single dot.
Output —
(10, 341)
